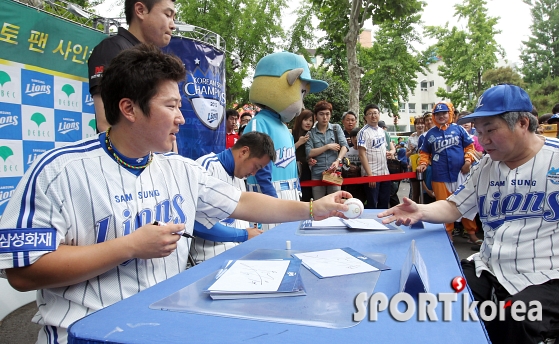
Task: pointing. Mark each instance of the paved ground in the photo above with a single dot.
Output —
(17, 327)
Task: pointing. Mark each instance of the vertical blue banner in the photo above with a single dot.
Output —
(203, 97)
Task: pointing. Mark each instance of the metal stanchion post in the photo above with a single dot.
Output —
(419, 177)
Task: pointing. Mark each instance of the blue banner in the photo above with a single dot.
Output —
(203, 97)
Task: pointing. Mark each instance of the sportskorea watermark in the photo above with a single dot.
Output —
(424, 308)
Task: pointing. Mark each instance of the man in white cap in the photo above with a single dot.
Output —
(515, 189)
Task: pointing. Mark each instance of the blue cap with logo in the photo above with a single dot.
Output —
(553, 119)
(498, 100)
(441, 107)
(278, 63)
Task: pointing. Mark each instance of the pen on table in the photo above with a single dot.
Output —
(184, 234)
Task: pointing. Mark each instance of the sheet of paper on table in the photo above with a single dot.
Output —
(251, 276)
(336, 262)
(361, 223)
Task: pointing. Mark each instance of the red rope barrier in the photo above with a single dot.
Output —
(363, 180)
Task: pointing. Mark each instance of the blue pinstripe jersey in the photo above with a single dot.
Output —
(88, 198)
(519, 210)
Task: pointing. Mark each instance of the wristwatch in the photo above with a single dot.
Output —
(339, 160)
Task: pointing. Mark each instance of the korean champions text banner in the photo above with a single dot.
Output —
(203, 97)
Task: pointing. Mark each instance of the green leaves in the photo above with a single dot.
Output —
(391, 64)
(251, 28)
(540, 55)
(466, 54)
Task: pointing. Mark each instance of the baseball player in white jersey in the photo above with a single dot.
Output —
(79, 226)
(371, 141)
(249, 154)
(515, 189)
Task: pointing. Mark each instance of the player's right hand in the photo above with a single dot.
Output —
(153, 241)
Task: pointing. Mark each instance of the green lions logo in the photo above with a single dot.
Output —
(6, 152)
(38, 118)
(68, 89)
(93, 125)
(4, 78)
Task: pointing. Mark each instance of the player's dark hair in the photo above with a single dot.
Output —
(231, 112)
(369, 107)
(555, 109)
(129, 7)
(298, 125)
(260, 144)
(136, 74)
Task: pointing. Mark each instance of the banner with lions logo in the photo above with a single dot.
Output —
(44, 92)
(203, 97)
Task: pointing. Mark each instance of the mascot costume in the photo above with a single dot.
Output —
(281, 81)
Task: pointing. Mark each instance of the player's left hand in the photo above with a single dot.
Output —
(331, 205)
(405, 213)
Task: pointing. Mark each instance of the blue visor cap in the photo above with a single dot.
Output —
(498, 100)
(278, 63)
(553, 119)
(441, 107)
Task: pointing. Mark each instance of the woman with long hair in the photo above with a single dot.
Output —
(303, 124)
(412, 150)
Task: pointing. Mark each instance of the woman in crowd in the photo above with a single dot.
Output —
(303, 124)
(328, 145)
(412, 153)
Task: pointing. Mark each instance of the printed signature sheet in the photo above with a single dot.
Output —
(336, 262)
(252, 276)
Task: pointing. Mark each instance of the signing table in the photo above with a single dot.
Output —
(133, 321)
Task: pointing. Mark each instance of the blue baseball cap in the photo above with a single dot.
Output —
(553, 119)
(441, 107)
(498, 100)
(278, 63)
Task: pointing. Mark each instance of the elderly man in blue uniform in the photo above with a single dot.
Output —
(515, 189)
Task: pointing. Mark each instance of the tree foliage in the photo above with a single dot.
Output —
(391, 64)
(336, 93)
(251, 29)
(343, 23)
(503, 75)
(301, 35)
(544, 95)
(466, 54)
(540, 55)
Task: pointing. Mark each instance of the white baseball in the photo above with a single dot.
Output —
(355, 208)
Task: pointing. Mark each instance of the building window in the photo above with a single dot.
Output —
(424, 85)
(431, 83)
(402, 107)
(411, 107)
(424, 108)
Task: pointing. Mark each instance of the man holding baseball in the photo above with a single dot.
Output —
(515, 189)
(81, 221)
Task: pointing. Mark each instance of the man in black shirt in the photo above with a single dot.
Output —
(349, 121)
(149, 21)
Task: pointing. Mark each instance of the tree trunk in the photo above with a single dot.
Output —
(353, 68)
